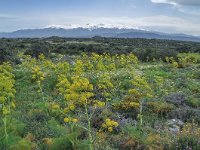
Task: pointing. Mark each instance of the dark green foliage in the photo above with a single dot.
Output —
(38, 48)
(194, 102)
(61, 143)
(12, 140)
(145, 49)
(154, 54)
(4, 55)
(186, 114)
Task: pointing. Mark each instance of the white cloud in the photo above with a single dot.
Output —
(191, 7)
(179, 2)
(164, 2)
(170, 24)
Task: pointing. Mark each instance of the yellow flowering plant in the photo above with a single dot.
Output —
(173, 63)
(46, 63)
(104, 86)
(27, 61)
(77, 92)
(109, 125)
(38, 76)
(159, 83)
(78, 67)
(187, 59)
(106, 62)
(88, 64)
(7, 94)
(140, 91)
(62, 68)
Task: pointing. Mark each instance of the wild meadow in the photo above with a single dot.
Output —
(100, 101)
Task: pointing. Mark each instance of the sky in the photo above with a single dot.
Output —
(171, 16)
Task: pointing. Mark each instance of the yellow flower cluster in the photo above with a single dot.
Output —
(7, 91)
(134, 104)
(88, 65)
(62, 68)
(70, 120)
(55, 106)
(172, 61)
(41, 57)
(100, 66)
(122, 59)
(48, 141)
(63, 84)
(79, 67)
(28, 61)
(132, 59)
(76, 92)
(79, 90)
(109, 125)
(46, 64)
(99, 104)
(127, 104)
(81, 83)
(141, 88)
(125, 60)
(37, 74)
(70, 107)
(106, 62)
(160, 107)
(104, 84)
(103, 62)
(187, 59)
(184, 60)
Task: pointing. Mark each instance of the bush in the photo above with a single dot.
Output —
(194, 102)
(38, 48)
(187, 59)
(154, 54)
(160, 107)
(188, 138)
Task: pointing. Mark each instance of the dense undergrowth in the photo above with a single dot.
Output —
(100, 102)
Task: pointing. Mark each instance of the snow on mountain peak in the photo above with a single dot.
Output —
(69, 26)
(94, 26)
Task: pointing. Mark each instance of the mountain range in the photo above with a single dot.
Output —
(96, 30)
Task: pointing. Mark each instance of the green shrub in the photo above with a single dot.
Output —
(194, 102)
(187, 59)
(160, 107)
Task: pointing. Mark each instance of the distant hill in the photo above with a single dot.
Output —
(88, 32)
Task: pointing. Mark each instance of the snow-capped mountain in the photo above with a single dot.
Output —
(94, 26)
(91, 30)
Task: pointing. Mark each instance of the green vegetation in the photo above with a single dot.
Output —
(57, 93)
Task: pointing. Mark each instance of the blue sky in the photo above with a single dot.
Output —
(174, 16)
